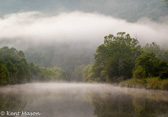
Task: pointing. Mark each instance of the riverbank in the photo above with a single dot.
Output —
(148, 83)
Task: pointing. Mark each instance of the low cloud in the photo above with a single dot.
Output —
(77, 26)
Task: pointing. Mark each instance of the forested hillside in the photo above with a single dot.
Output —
(131, 10)
(15, 69)
(66, 55)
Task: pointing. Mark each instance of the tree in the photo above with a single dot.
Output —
(21, 75)
(153, 47)
(160, 53)
(139, 72)
(26, 68)
(148, 65)
(77, 73)
(54, 73)
(88, 75)
(116, 57)
(4, 75)
(20, 53)
(12, 72)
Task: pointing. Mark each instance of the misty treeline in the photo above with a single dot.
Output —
(15, 69)
(121, 57)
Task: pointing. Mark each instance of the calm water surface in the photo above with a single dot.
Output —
(81, 100)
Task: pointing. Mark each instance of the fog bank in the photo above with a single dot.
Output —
(35, 27)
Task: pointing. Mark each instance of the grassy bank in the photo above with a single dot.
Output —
(148, 83)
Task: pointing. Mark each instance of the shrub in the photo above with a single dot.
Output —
(153, 83)
(164, 84)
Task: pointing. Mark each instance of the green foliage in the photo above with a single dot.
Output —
(121, 57)
(15, 64)
(164, 84)
(12, 72)
(157, 83)
(34, 69)
(153, 47)
(139, 72)
(21, 74)
(14, 69)
(164, 56)
(160, 53)
(148, 65)
(51, 74)
(4, 79)
(77, 73)
(116, 57)
(134, 82)
(148, 83)
(87, 74)
(153, 83)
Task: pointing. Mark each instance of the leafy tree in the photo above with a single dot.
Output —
(160, 53)
(150, 66)
(88, 74)
(34, 69)
(153, 47)
(77, 73)
(139, 72)
(26, 68)
(21, 75)
(53, 74)
(20, 53)
(4, 75)
(164, 56)
(116, 57)
(12, 72)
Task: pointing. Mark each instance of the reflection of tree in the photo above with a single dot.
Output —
(12, 102)
(127, 106)
(149, 108)
(112, 106)
(139, 106)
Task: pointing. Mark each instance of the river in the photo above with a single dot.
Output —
(81, 100)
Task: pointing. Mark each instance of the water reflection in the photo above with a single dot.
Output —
(83, 100)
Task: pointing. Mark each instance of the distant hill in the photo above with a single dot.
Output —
(65, 55)
(130, 10)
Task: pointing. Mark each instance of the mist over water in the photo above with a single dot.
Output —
(82, 100)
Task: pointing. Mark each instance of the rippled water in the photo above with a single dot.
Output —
(81, 100)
